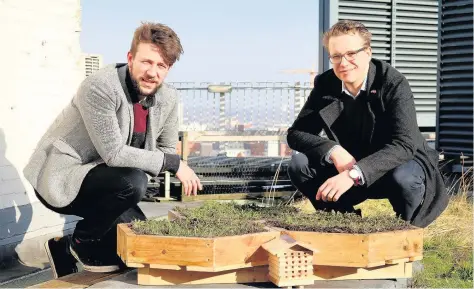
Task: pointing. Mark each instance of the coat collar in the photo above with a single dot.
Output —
(333, 110)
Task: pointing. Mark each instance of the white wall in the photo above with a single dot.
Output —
(41, 69)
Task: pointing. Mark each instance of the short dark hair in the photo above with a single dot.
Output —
(162, 36)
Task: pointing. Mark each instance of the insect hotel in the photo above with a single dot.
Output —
(290, 263)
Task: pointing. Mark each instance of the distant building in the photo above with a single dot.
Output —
(92, 63)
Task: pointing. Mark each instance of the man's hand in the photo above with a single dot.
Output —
(333, 188)
(188, 178)
(342, 159)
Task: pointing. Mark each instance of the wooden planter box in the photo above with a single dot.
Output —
(196, 254)
(363, 250)
(164, 260)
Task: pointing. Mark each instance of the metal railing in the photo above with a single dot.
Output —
(234, 136)
(239, 105)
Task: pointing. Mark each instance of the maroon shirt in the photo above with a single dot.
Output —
(139, 127)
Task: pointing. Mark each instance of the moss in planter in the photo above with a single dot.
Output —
(196, 228)
(232, 210)
(331, 222)
(214, 219)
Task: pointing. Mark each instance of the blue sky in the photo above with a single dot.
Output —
(245, 40)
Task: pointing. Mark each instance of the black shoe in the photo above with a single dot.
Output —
(60, 258)
(93, 257)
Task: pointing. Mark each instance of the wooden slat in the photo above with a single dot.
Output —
(408, 270)
(273, 275)
(395, 245)
(202, 269)
(396, 261)
(279, 245)
(274, 279)
(135, 265)
(148, 276)
(168, 267)
(283, 282)
(335, 249)
(242, 250)
(182, 251)
(297, 282)
(273, 270)
(273, 258)
(144, 275)
(122, 231)
(375, 264)
(350, 273)
(82, 279)
(415, 258)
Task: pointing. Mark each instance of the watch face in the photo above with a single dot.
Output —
(354, 174)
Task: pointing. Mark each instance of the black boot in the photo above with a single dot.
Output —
(94, 257)
(60, 258)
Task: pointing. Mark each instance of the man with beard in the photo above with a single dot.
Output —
(93, 161)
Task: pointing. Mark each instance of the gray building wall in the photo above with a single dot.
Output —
(41, 70)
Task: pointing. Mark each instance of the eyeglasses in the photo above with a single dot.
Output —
(349, 56)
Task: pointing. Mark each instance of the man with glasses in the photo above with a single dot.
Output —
(374, 148)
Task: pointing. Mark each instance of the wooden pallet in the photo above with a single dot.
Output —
(153, 276)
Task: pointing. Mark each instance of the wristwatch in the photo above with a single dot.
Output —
(355, 176)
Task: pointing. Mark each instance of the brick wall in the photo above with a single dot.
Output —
(41, 70)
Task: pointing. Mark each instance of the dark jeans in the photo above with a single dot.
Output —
(108, 196)
(403, 186)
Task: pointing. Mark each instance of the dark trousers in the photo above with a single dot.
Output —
(403, 186)
(108, 196)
